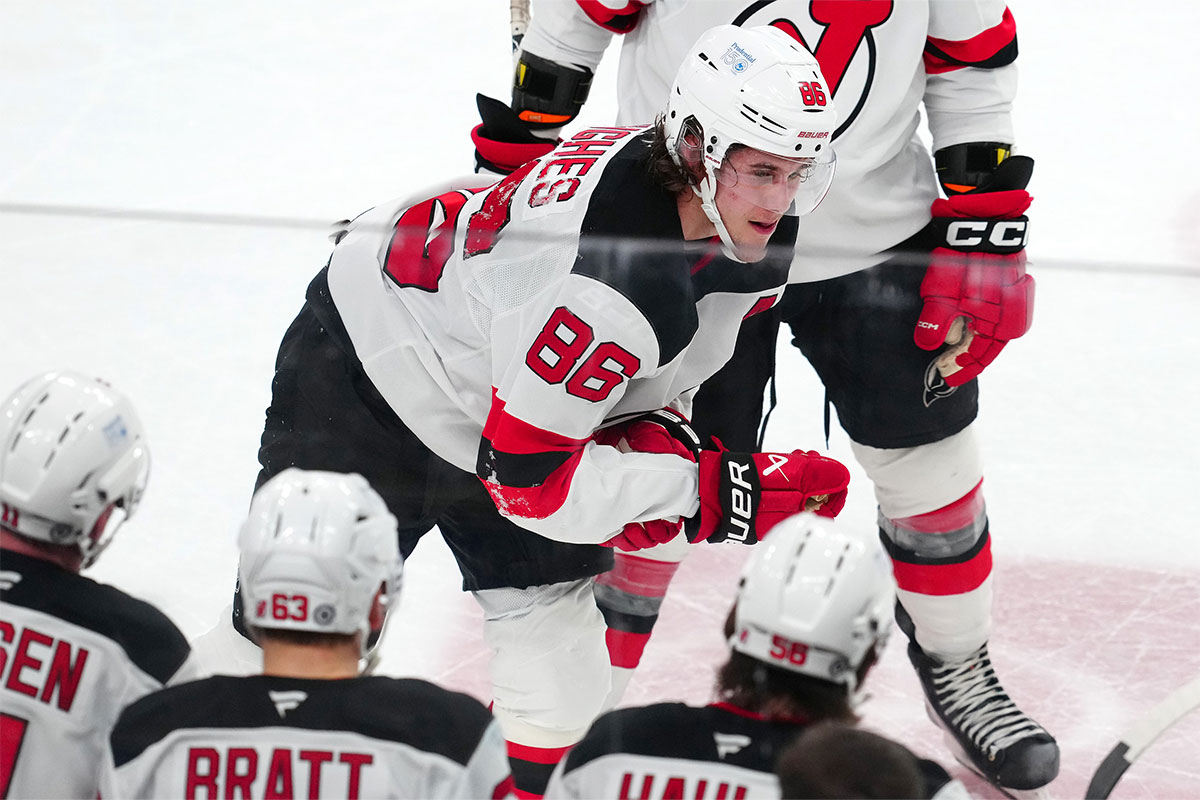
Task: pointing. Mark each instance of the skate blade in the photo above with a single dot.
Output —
(960, 755)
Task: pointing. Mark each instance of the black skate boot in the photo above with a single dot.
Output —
(984, 728)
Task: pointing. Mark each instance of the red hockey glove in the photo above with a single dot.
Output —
(979, 274)
(662, 431)
(744, 495)
(503, 142)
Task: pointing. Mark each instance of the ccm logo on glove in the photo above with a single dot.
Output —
(1003, 235)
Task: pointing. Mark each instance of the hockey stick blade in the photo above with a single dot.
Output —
(1159, 719)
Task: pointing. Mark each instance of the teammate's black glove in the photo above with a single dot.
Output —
(503, 142)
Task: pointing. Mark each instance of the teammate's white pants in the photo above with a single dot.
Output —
(913, 484)
(549, 669)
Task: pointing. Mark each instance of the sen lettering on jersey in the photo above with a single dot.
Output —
(649, 786)
(40, 666)
(225, 772)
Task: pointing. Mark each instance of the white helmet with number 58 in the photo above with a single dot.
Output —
(73, 461)
(814, 599)
(319, 553)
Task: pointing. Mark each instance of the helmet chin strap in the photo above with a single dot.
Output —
(707, 192)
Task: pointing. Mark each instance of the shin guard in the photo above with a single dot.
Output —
(630, 596)
(942, 561)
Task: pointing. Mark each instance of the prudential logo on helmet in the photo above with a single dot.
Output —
(737, 59)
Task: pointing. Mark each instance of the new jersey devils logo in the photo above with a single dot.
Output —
(840, 38)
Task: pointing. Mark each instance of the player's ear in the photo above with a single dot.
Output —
(378, 610)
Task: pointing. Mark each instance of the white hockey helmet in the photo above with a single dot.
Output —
(317, 548)
(814, 599)
(756, 87)
(73, 461)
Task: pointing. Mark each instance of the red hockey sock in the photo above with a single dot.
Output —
(629, 596)
(942, 552)
(531, 768)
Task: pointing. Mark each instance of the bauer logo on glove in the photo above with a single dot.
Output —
(744, 495)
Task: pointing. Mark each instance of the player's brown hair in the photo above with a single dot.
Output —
(765, 689)
(827, 760)
(662, 167)
(665, 171)
(306, 638)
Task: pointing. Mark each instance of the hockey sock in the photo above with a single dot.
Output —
(532, 767)
(942, 561)
(630, 596)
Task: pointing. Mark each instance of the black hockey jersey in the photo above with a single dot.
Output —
(505, 325)
(263, 736)
(73, 653)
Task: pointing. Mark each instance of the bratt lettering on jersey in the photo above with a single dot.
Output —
(283, 772)
(40, 666)
(649, 786)
(558, 179)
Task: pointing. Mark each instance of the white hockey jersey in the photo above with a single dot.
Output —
(668, 751)
(263, 736)
(882, 59)
(506, 325)
(73, 653)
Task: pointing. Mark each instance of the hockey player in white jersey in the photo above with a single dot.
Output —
(880, 319)
(73, 652)
(811, 617)
(464, 346)
(320, 570)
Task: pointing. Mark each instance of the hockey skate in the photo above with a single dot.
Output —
(984, 728)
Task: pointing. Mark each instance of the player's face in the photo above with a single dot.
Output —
(754, 189)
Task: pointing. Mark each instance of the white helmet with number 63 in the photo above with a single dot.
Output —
(73, 461)
(814, 599)
(319, 553)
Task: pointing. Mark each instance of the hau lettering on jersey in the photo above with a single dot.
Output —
(283, 772)
(40, 666)
(649, 786)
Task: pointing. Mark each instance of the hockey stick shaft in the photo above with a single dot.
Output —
(1143, 733)
(518, 17)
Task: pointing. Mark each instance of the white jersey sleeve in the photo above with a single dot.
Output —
(970, 58)
(562, 32)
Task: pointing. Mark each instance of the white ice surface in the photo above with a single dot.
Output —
(314, 111)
